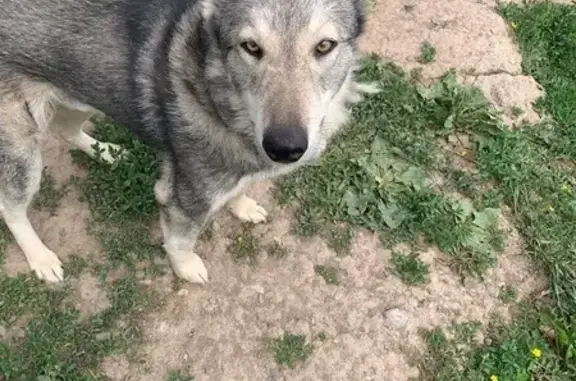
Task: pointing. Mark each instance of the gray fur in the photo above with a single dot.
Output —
(175, 72)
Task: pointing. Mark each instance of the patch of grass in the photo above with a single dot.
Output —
(410, 268)
(245, 247)
(75, 266)
(516, 111)
(532, 171)
(179, 376)
(58, 345)
(340, 239)
(125, 189)
(276, 250)
(127, 245)
(546, 33)
(508, 294)
(427, 53)
(331, 274)
(291, 349)
(49, 196)
(517, 353)
(375, 175)
(5, 239)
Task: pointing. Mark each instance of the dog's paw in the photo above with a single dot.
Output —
(190, 268)
(47, 266)
(111, 152)
(247, 210)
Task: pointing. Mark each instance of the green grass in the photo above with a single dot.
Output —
(340, 239)
(546, 34)
(291, 349)
(427, 53)
(330, 274)
(375, 175)
(49, 196)
(533, 172)
(245, 247)
(57, 344)
(508, 294)
(123, 190)
(410, 268)
(179, 376)
(276, 250)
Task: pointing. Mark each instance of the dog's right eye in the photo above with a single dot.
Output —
(252, 48)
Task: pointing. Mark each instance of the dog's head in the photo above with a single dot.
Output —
(290, 64)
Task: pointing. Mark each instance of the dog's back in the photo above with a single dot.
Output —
(86, 48)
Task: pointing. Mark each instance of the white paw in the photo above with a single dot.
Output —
(247, 210)
(106, 154)
(190, 268)
(47, 266)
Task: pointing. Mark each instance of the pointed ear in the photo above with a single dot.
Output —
(360, 16)
(208, 8)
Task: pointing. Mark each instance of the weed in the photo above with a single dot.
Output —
(49, 196)
(125, 189)
(179, 376)
(331, 274)
(546, 33)
(291, 349)
(508, 294)
(410, 268)
(409, 7)
(245, 247)
(340, 239)
(75, 266)
(58, 344)
(375, 174)
(427, 53)
(516, 111)
(276, 250)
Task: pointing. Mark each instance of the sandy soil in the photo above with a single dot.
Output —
(371, 319)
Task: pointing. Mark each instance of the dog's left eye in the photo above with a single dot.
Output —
(325, 47)
(252, 48)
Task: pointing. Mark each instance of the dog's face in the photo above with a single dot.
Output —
(290, 63)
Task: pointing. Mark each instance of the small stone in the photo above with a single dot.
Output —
(2, 332)
(183, 292)
(396, 318)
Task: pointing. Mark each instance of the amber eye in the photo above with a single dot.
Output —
(325, 47)
(252, 48)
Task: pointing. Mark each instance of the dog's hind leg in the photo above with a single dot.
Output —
(20, 174)
(67, 123)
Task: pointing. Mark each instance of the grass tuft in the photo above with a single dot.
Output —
(410, 268)
(291, 349)
(427, 53)
(331, 274)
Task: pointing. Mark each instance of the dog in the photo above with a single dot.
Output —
(230, 91)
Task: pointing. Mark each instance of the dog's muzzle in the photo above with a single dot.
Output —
(285, 144)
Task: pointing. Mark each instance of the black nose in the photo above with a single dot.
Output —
(285, 144)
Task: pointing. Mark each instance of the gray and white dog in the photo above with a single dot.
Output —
(230, 91)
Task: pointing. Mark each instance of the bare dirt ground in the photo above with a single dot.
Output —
(366, 327)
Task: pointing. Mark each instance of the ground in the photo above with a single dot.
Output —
(448, 274)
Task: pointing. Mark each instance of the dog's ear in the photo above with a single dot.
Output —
(210, 26)
(360, 15)
(208, 8)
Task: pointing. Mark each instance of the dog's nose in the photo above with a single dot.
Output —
(285, 144)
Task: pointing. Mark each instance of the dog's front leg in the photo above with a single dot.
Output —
(180, 229)
(180, 234)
